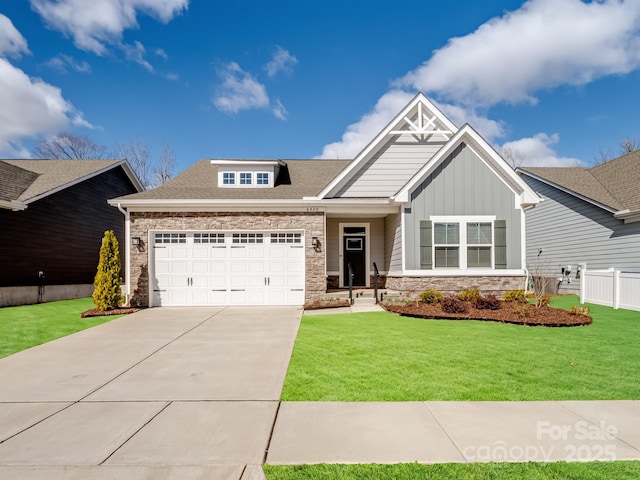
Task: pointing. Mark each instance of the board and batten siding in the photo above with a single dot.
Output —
(393, 243)
(376, 242)
(463, 185)
(571, 231)
(390, 168)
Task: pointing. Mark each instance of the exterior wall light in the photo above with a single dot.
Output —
(135, 240)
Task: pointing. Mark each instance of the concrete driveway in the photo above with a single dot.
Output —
(164, 393)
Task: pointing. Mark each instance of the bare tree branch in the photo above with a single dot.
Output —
(629, 144)
(166, 167)
(515, 158)
(68, 146)
(138, 154)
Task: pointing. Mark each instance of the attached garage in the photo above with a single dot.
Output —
(227, 268)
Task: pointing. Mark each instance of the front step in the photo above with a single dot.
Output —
(366, 295)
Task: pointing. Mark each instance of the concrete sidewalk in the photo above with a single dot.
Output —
(442, 432)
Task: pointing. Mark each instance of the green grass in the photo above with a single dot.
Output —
(454, 471)
(30, 325)
(383, 357)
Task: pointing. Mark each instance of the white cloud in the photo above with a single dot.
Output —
(97, 24)
(279, 111)
(63, 63)
(30, 107)
(282, 61)
(544, 44)
(136, 53)
(12, 43)
(240, 90)
(360, 133)
(538, 151)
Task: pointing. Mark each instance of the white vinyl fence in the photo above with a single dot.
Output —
(613, 288)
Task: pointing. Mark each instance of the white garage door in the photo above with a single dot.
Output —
(228, 268)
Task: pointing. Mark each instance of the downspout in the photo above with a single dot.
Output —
(127, 253)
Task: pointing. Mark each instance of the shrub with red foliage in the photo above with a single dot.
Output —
(453, 305)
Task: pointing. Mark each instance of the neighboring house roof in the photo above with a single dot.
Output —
(612, 185)
(296, 179)
(27, 181)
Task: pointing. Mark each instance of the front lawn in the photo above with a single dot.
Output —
(30, 325)
(384, 357)
(457, 471)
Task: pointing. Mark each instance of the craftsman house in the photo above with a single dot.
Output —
(432, 205)
(53, 214)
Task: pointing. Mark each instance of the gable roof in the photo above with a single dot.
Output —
(487, 154)
(27, 181)
(296, 179)
(419, 108)
(612, 185)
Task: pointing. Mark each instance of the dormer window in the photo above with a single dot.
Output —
(228, 178)
(248, 173)
(262, 178)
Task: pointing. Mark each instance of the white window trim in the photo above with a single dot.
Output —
(462, 220)
(253, 175)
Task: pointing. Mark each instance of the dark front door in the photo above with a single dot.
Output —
(353, 251)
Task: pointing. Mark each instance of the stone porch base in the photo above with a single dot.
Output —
(411, 287)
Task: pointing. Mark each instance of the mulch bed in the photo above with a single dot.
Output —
(318, 304)
(94, 312)
(509, 312)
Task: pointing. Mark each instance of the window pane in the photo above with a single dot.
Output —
(478, 233)
(479, 257)
(447, 257)
(447, 233)
(262, 178)
(245, 179)
(228, 178)
(354, 230)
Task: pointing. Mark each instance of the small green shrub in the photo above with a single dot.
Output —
(515, 296)
(490, 302)
(523, 309)
(453, 304)
(577, 310)
(431, 296)
(469, 295)
(543, 301)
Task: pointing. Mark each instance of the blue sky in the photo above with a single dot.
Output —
(555, 79)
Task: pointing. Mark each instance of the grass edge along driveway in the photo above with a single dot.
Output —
(29, 325)
(621, 470)
(384, 357)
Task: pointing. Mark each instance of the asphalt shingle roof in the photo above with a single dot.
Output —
(615, 183)
(14, 181)
(47, 175)
(297, 179)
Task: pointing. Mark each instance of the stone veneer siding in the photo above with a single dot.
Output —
(411, 287)
(143, 222)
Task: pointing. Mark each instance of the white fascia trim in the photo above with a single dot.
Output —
(471, 138)
(364, 155)
(470, 272)
(629, 216)
(13, 205)
(241, 162)
(566, 190)
(121, 163)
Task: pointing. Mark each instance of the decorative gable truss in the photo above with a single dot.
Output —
(393, 157)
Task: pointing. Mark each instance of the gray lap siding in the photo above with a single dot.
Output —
(143, 222)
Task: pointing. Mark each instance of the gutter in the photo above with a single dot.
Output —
(127, 253)
(13, 205)
(628, 215)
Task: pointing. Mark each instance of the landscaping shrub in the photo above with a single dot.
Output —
(490, 302)
(431, 296)
(469, 295)
(453, 305)
(543, 301)
(577, 310)
(515, 296)
(523, 309)
(107, 293)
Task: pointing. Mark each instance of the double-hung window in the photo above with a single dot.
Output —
(479, 243)
(447, 244)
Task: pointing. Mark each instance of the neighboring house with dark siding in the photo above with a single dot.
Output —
(431, 204)
(588, 216)
(53, 214)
